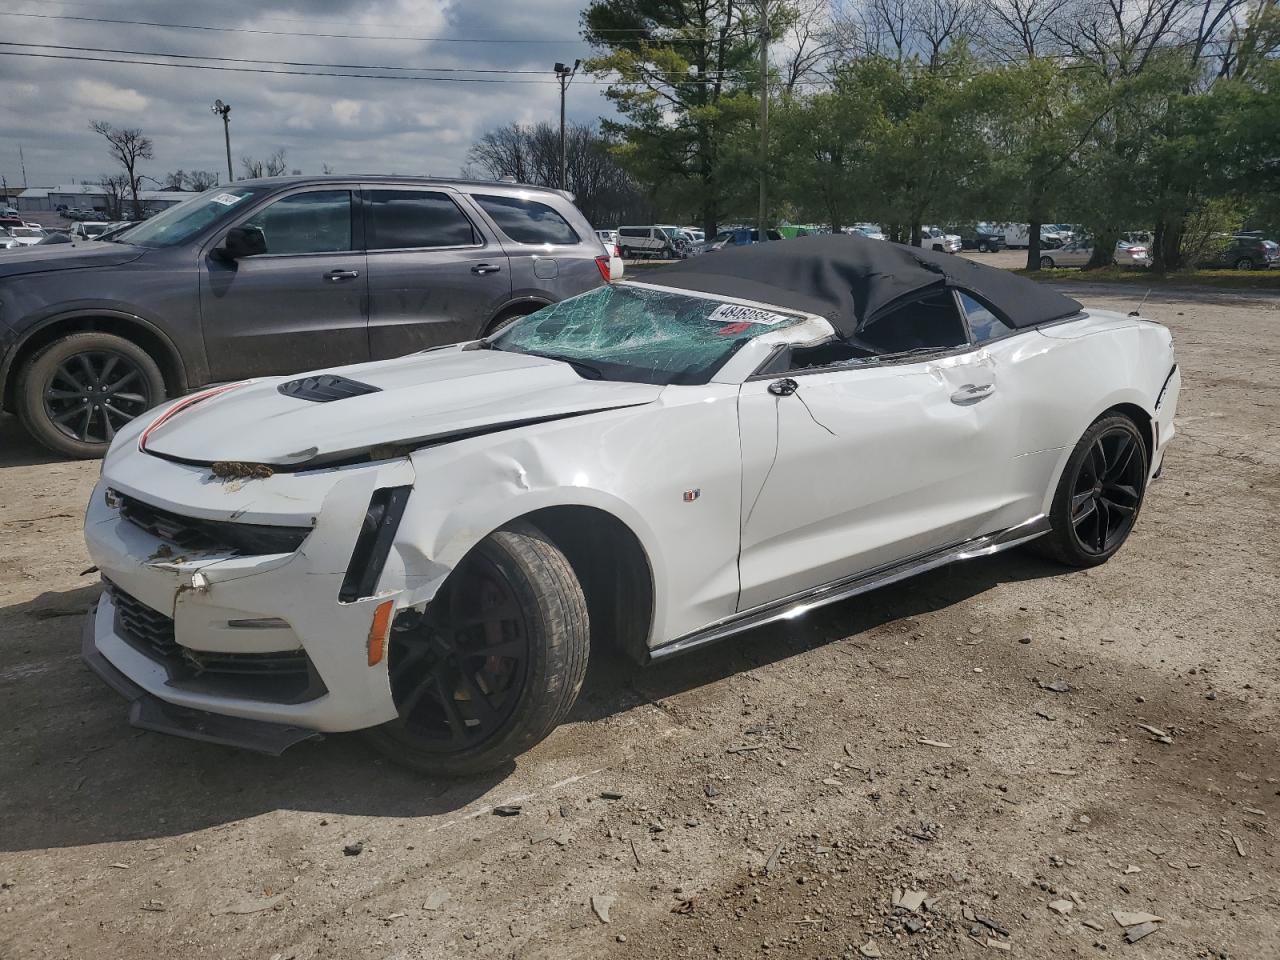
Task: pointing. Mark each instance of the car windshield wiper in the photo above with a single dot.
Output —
(899, 354)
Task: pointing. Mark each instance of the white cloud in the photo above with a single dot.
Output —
(351, 124)
(107, 97)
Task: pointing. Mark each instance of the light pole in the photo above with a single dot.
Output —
(564, 75)
(762, 214)
(224, 110)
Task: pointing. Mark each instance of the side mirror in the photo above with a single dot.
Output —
(242, 242)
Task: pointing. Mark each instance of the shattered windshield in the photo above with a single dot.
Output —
(622, 332)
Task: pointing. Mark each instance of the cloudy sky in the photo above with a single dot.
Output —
(354, 125)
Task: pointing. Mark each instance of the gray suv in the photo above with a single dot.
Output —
(274, 276)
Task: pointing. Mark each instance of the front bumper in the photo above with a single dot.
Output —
(195, 634)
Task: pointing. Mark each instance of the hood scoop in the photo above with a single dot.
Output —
(325, 388)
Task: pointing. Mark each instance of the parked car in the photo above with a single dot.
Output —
(51, 236)
(11, 220)
(89, 229)
(869, 230)
(8, 211)
(483, 518)
(651, 241)
(80, 213)
(931, 238)
(1016, 236)
(1242, 251)
(739, 237)
(265, 277)
(983, 237)
(608, 237)
(1078, 253)
(25, 236)
(116, 228)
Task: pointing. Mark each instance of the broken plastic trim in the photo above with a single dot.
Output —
(374, 543)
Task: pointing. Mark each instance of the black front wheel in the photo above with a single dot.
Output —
(77, 393)
(494, 664)
(1244, 263)
(1099, 495)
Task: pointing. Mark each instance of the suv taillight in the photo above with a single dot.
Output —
(602, 263)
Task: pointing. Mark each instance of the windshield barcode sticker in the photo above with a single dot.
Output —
(226, 199)
(736, 313)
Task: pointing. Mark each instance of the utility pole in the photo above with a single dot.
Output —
(762, 215)
(224, 110)
(564, 75)
(23, 161)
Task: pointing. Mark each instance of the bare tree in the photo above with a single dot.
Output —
(175, 180)
(116, 187)
(128, 146)
(812, 43)
(201, 180)
(1023, 26)
(274, 166)
(326, 169)
(939, 24)
(886, 25)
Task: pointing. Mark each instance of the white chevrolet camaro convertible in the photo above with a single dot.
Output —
(428, 548)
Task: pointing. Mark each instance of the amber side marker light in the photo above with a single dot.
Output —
(378, 632)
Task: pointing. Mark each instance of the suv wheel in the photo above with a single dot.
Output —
(495, 663)
(982, 246)
(76, 393)
(1244, 263)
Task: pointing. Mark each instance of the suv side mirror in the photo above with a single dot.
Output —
(243, 242)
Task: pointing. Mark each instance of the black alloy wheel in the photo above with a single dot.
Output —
(457, 674)
(76, 393)
(495, 662)
(1099, 494)
(1107, 492)
(91, 395)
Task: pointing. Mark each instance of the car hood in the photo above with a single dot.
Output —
(421, 398)
(66, 256)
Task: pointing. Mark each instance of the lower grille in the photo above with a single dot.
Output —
(286, 676)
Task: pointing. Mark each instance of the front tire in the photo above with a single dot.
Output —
(1099, 495)
(496, 662)
(1244, 263)
(79, 391)
(982, 248)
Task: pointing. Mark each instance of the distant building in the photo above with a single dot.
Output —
(93, 197)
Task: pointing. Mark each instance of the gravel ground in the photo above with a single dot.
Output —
(763, 799)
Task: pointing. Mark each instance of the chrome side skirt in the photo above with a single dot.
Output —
(797, 605)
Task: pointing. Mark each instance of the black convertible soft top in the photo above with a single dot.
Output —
(853, 281)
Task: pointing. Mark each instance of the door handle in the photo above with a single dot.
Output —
(336, 275)
(972, 393)
(485, 268)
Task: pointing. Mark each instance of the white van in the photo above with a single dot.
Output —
(646, 242)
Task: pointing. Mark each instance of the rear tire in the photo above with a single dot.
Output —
(1244, 263)
(494, 665)
(78, 392)
(1099, 495)
(1046, 263)
(628, 254)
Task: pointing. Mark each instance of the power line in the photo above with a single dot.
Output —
(693, 32)
(283, 63)
(302, 33)
(286, 63)
(317, 73)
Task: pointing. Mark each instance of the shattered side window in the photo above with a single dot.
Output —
(621, 332)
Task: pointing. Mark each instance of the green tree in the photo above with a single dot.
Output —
(684, 72)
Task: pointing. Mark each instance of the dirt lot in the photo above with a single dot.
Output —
(771, 793)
